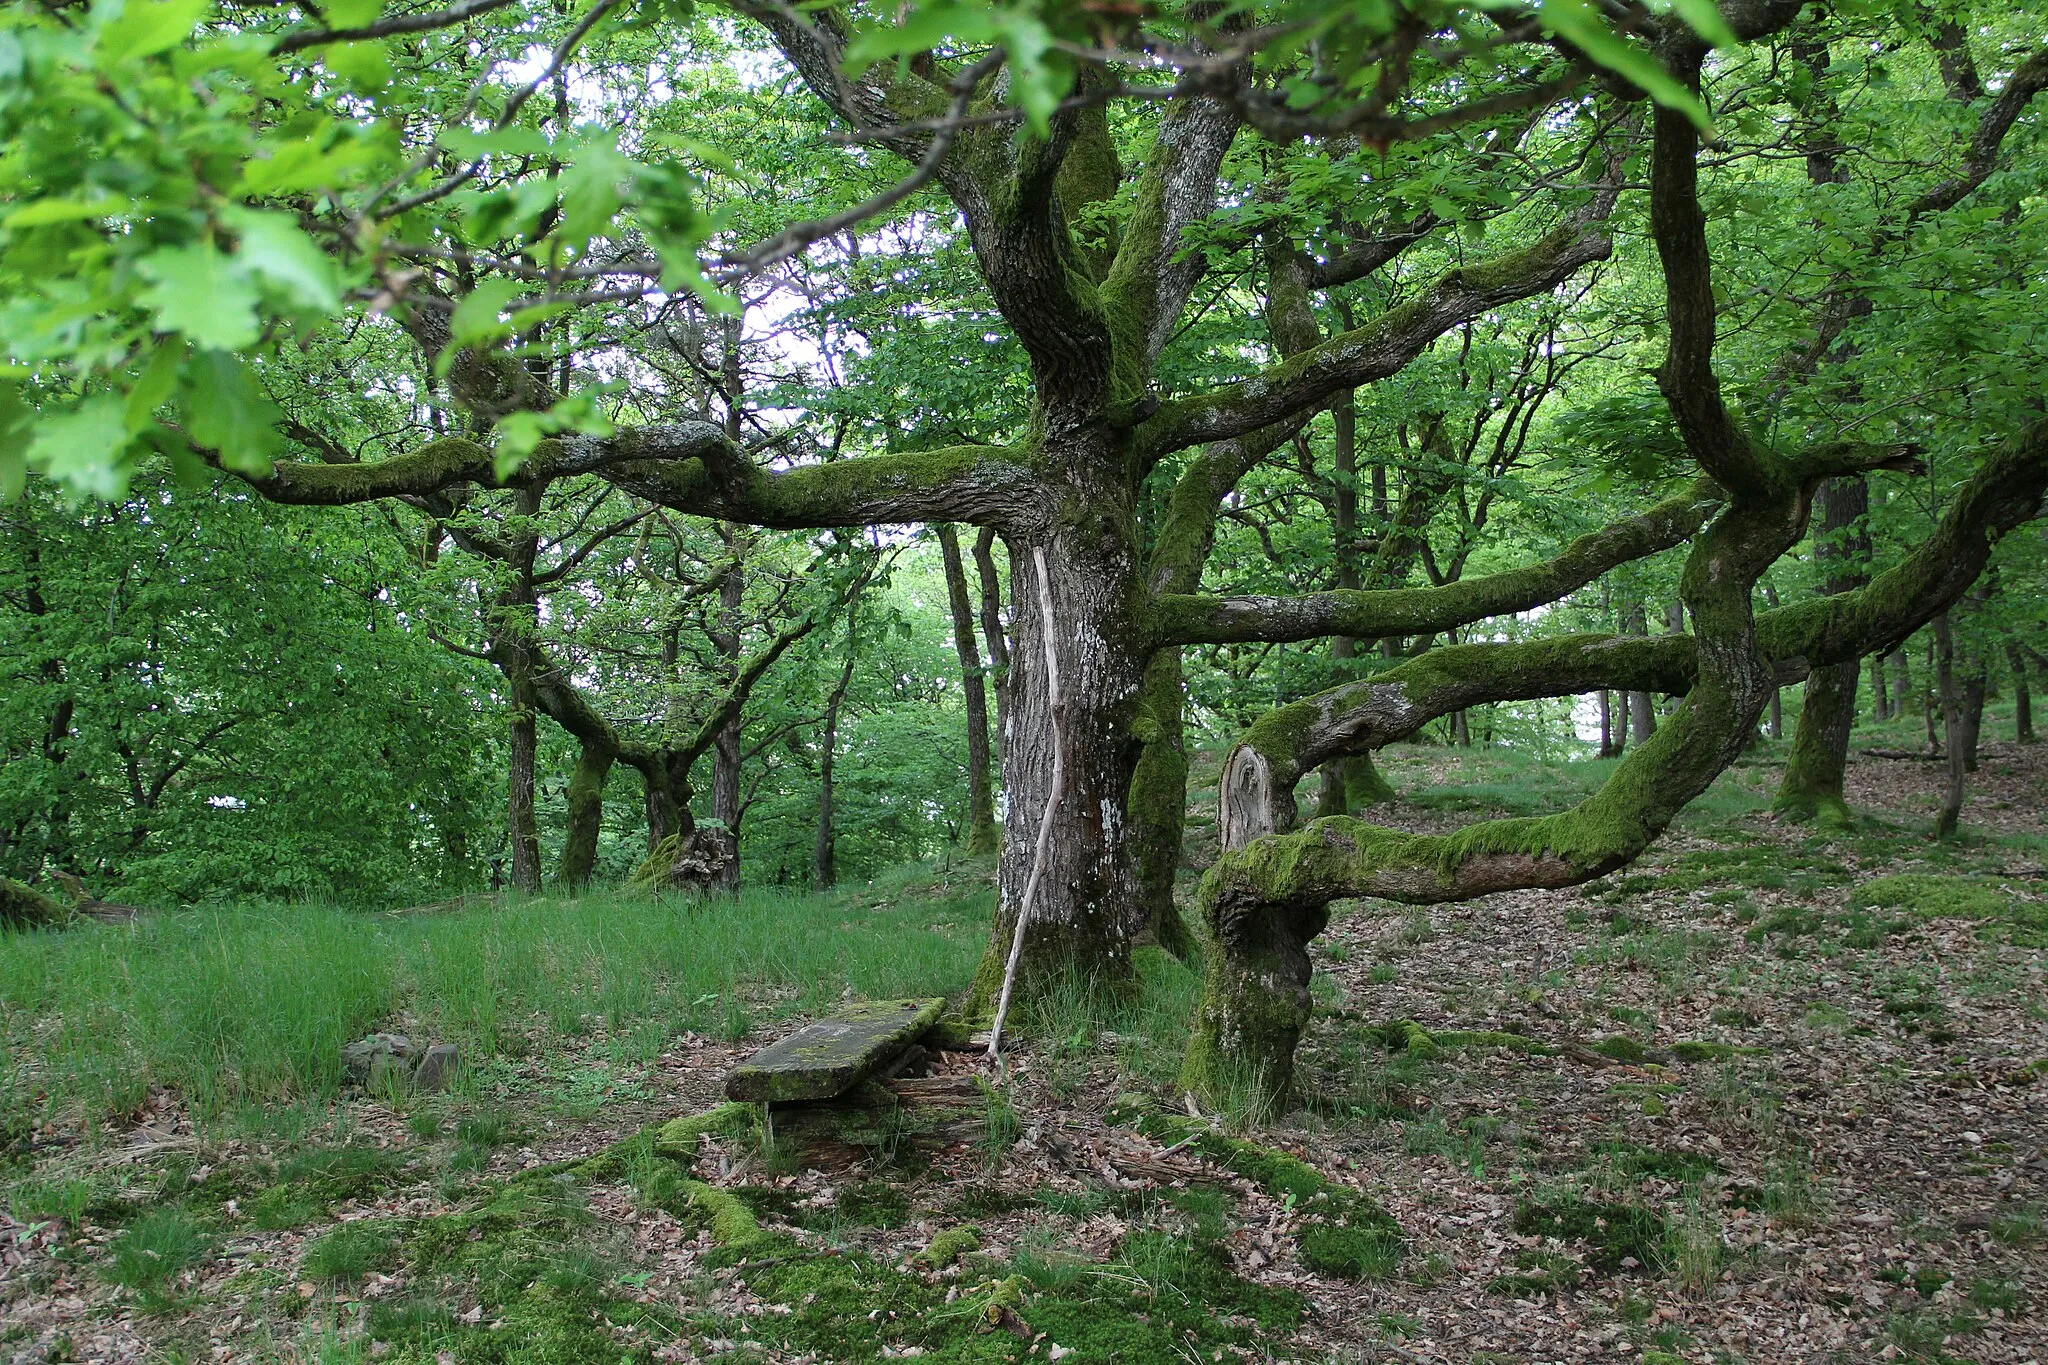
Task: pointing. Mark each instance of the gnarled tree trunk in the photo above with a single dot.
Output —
(1084, 918)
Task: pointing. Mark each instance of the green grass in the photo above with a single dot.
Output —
(350, 1252)
(252, 1005)
(154, 1249)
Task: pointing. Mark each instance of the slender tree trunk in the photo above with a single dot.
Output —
(825, 852)
(514, 620)
(1880, 698)
(1812, 785)
(725, 750)
(1951, 694)
(586, 815)
(1610, 740)
(1975, 684)
(992, 632)
(1642, 715)
(981, 805)
(520, 822)
(1902, 684)
(1931, 700)
(2022, 697)
(1352, 782)
(1157, 810)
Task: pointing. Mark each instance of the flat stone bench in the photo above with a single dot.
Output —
(826, 1059)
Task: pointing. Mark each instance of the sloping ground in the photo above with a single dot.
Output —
(1766, 1097)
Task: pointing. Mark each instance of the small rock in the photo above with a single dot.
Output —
(390, 1074)
(437, 1067)
(360, 1057)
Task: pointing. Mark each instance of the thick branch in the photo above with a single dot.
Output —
(1382, 347)
(1687, 380)
(1982, 157)
(693, 467)
(1151, 279)
(1188, 619)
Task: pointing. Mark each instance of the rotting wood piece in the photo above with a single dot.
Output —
(833, 1055)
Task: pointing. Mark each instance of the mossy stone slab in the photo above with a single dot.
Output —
(830, 1057)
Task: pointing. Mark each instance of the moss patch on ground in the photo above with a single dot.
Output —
(1342, 1231)
(2001, 913)
(1616, 1236)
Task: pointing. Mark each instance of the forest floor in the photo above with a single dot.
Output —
(1769, 1095)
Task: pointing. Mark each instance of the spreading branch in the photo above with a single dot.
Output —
(1369, 615)
(1386, 345)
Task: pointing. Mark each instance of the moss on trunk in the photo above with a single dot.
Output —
(586, 816)
(1812, 785)
(24, 907)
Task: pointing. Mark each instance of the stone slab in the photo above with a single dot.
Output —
(830, 1057)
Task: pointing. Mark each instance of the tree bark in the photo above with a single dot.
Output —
(1088, 909)
(1642, 712)
(1880, 696)
(1975, 685)
(1952, 703)
(2022, 697)
(586, 815)
(1157, 808)
(982, 837)
(1811, 788)
(521, 825)
(992, 633)
(513, 622)
(725, 751)
(825, 852)
(1902, 682)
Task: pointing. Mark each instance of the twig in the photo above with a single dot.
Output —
(388, 28)
(1056, 702)
(793, 239)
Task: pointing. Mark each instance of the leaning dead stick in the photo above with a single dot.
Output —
(1057, 702)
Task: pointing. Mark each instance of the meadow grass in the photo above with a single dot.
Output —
(252, 1005)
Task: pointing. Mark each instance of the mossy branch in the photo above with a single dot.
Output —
(1382, 347)
(1361, 614)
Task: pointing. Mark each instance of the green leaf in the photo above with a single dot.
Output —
(14, 415)
(274, 250)
(81, 449)
(225, 408)
(153, 388)
(590, 192)
(146, 27)
(1578, 23)
(365, 66)
(470, 144)
(476, 318)
(1704, 17)
(351, 13)
(46, 211)
(518, 433)
(198, 291)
